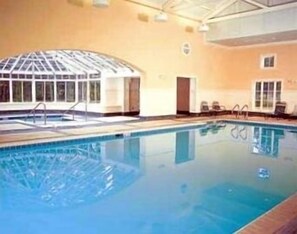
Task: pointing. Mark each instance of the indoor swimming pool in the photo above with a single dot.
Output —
(214, 178)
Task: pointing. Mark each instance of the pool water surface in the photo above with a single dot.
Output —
(210, 179)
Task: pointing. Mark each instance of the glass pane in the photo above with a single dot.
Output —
(39, 91)
(70, 91)
(92, 91)
(265, 98)
(278, 96)
(278, 86)
(27, 91)
(4, 91)
(82, 91)
(266, 62)
(98, 91)
(265, 105)
(258, 86)
(61, 91)
(271, 62)
(258, 96)
(17, 91)
(257, 103)
(265, 88)
(271, 86)
(49, 91)
(270, 103)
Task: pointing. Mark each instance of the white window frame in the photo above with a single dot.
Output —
(266, 56)
(261, 108)
(96, 98)
(22, 90)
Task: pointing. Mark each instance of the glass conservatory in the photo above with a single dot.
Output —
(61, 78)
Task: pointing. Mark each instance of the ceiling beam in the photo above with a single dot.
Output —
(225, 4)
(252, 12)
(188, 4)
(252, 2)
(157, 8)
(167, 4)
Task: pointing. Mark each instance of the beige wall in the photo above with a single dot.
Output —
(244, 68)
(154, 48)
(221, 73)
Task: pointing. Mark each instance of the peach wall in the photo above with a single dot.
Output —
(223, 74)
(154, 48)
(244, 68)
(245, 65)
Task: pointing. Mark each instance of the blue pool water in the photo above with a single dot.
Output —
(212, 179)
(49, 119)
(39, 119)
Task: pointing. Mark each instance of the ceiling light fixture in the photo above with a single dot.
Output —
(101, 3)
(161, 17)
(203, 27)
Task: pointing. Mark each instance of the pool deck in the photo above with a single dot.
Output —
(280, 220)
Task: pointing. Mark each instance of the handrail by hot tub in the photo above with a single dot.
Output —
(72, 109)
(33, 111)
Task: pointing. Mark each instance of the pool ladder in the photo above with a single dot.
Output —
(33, 111)
(246, 112)
(240, 111)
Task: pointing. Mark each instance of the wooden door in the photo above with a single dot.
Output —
(134, 85)
(183, 95)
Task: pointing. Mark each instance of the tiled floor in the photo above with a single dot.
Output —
(280, 220)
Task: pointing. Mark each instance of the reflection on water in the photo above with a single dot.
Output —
(185, 147)
(175, 182)
(212, 128)
(239, 132)
(266, 141)
(62, 176)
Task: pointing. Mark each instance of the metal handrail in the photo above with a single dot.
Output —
(246, 113)
(71, 108)
(34, 112)
(233, 109)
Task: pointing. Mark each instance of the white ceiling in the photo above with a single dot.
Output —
(217, 11)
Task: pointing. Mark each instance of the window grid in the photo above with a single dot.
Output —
(267, 93)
